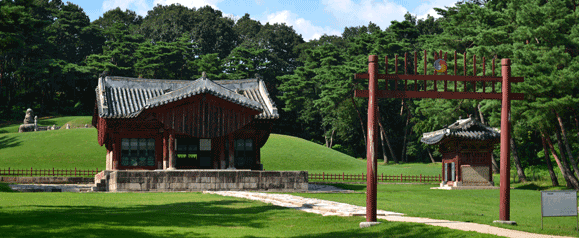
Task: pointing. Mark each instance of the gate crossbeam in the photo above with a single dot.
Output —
(373, 93)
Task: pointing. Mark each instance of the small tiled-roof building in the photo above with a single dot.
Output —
(466, 148)
(178, 124)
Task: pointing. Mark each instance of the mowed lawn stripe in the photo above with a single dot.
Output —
(181, 215)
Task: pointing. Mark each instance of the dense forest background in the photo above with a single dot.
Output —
(51, 56)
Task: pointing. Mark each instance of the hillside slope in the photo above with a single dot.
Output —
(67, 149)
(283, 152)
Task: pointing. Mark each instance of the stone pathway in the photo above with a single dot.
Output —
(329, 208)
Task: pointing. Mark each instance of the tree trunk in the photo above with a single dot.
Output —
(403, 156)
(359, 117)
(430, 154)
(577, 126)
(554, 180)
(562, 152)
(517, 161)
(482, 119)
(383, 147)
(332, 139)
(515, 152)
(569, 178)
(569, 152)
(387, 140)
(496, 167)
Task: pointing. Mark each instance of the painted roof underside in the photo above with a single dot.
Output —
(465, 128)
(123, 97)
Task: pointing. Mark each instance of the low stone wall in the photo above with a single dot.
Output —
(47, 180)
(202, 180)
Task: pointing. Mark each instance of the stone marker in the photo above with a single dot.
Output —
(29, 116)
(67, 126)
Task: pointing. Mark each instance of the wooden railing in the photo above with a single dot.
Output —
(380, 177)
(47, 172)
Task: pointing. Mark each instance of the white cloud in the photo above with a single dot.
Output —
(350, 13)
(380, 12)
(139, 6)
(302, 26)
(427, 7)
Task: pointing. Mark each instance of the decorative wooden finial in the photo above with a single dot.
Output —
(203, 75)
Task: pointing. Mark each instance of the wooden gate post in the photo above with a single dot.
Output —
(371, 163)
(505, 193)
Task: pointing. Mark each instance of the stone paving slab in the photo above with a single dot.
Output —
(330, 208)
(51, 187)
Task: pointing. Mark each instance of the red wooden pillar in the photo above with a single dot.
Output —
(231, 150)
(505, 196)
(256, 149)
(371, 164)
(116, 153)
(109, 160)
(222, 155)
(171, 150)
(165, 150)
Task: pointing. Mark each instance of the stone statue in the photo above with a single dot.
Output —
(28, 122)
(29, 118)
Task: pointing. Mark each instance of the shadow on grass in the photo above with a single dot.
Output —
(189, 219)
(353, 187)
(400, 229)
(97, 221)
(536, 187)
(6, 142)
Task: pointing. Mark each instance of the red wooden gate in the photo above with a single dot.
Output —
(373, 93)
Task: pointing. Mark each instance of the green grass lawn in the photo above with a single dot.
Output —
(478, 206)
(283, 152)
(67, 149)
(181, 215)
(73, 121)
(61, 149)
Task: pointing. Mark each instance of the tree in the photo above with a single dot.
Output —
(211, 65)
(214, 33)
(316, 90)
(162, 59)
(167, 23)
(118, 57)
(246, 30)
(244, 62)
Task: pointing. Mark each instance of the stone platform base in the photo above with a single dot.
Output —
(465, 187)
(202, 180)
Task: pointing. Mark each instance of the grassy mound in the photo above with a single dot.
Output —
(283, 152)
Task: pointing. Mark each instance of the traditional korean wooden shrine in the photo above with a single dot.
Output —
(176, 125)
(466, 146)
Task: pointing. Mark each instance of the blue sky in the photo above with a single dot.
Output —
(309, 18)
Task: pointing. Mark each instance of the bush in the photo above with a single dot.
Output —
(349, 151)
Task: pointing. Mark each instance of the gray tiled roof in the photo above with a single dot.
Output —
(465, 128)
(123, 97)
